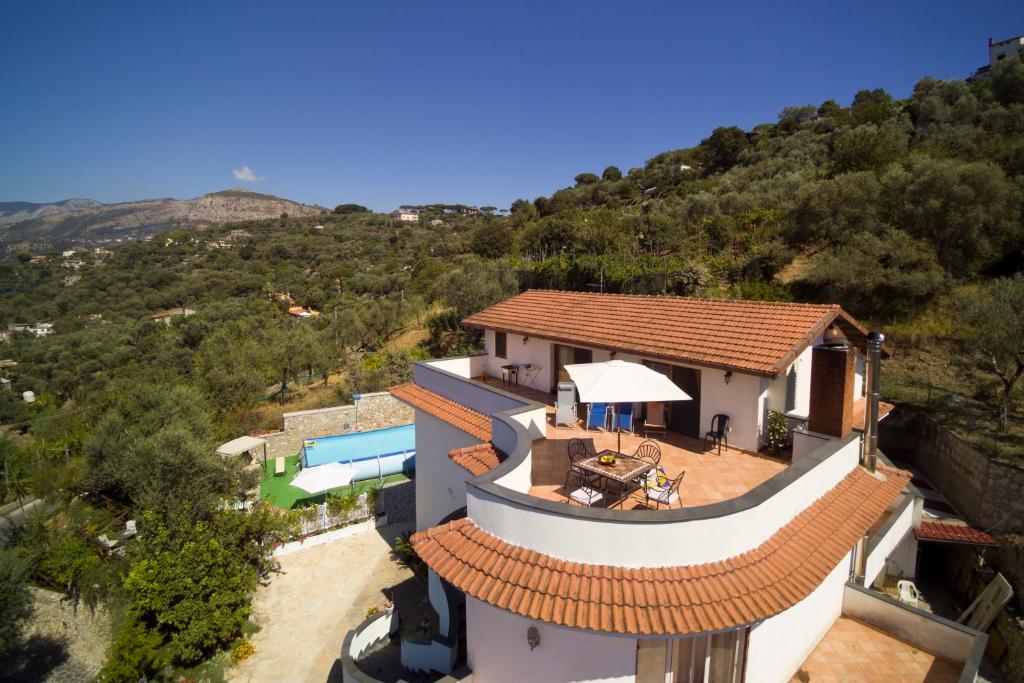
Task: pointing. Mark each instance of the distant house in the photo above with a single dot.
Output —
(72, 263)
(302, 312)
(69, 253)
(436, 222)
(407, 216)
(39, 260)
(37, 329)
(165, 317)
(1011, 47)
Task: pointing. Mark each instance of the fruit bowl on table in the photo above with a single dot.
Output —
(607, 460)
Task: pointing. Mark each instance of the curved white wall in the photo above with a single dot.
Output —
(617, 541)
(498, 650)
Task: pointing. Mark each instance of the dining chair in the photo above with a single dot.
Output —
(578, 451)
(665, 496)
(648, 451)
(578, 490)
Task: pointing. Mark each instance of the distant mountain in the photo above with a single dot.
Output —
(73, 221)
(16, 212)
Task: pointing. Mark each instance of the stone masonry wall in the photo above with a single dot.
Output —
(371, 411)
(984, 489)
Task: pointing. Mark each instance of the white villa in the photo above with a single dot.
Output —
(759, 570)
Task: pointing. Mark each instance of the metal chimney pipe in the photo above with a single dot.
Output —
(874, 367)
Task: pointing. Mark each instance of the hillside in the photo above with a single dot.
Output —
(53, 226)
(17, 212)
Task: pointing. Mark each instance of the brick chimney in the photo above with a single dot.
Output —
(832, 370)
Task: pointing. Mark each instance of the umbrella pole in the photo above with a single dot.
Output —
(618, 427)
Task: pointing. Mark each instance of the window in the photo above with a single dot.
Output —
(500, 345)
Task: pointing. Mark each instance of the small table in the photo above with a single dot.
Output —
(626, 469)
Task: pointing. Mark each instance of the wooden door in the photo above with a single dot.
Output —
(684, 416)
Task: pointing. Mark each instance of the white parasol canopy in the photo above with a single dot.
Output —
(323, 477)
(618, 381)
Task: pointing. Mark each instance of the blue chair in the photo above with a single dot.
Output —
(597, 416)
(624, 417)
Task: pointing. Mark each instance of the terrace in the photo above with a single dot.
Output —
(710, 477)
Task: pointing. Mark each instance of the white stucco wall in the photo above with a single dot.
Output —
(440, 483)
(534, 351)
(621, 543)
(779, 645)
(898, 546)
(742, 399)
(498, 651)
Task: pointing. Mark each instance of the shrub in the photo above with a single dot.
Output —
(242, 651)
(777, 436)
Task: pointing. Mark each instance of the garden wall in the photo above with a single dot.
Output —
(984, 489)
(371, 411)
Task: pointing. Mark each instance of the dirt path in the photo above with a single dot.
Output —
(320, 594)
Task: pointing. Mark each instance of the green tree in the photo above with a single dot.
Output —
(491, 240)
(231, 366)
(1008, 81)
(586, 179)
(190, 587)
(868, 147)
(476, 284)
(886, 275)
(15, 597)
(721, 150)
(872, 106)
(154, 445)
(993, 317)
(612, 173)
(345, 209)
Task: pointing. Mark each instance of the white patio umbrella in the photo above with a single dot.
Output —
(618, 381)
(323, 477)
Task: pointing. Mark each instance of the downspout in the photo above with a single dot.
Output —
(874, 366)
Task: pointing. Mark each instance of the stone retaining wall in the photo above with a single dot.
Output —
(986, 490)
(371, 411)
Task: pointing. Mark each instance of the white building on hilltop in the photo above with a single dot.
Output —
(680, 561)
(1004, 49)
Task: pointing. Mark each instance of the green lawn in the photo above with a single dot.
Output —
(280, 492)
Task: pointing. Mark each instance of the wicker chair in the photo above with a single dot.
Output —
(666, 497)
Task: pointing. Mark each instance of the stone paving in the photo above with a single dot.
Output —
(309, 607)
(854, 652)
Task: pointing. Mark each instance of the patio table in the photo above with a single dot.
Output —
(626, 469)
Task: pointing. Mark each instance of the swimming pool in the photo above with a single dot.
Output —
(378, 452)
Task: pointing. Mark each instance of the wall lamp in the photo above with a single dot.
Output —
(526, 339)
(728, 376)
(612, 355)
(532, 637)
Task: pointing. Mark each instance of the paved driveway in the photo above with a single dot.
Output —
(320, 594)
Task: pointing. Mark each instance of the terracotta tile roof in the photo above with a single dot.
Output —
(476, 459)
(953, 532)
(667, 600)
(457, 415)
(860, 407)
(758, 337)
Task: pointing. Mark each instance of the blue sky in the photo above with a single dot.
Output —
(384, 103)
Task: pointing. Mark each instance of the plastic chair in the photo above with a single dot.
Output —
(908, 592)
(717, 434)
